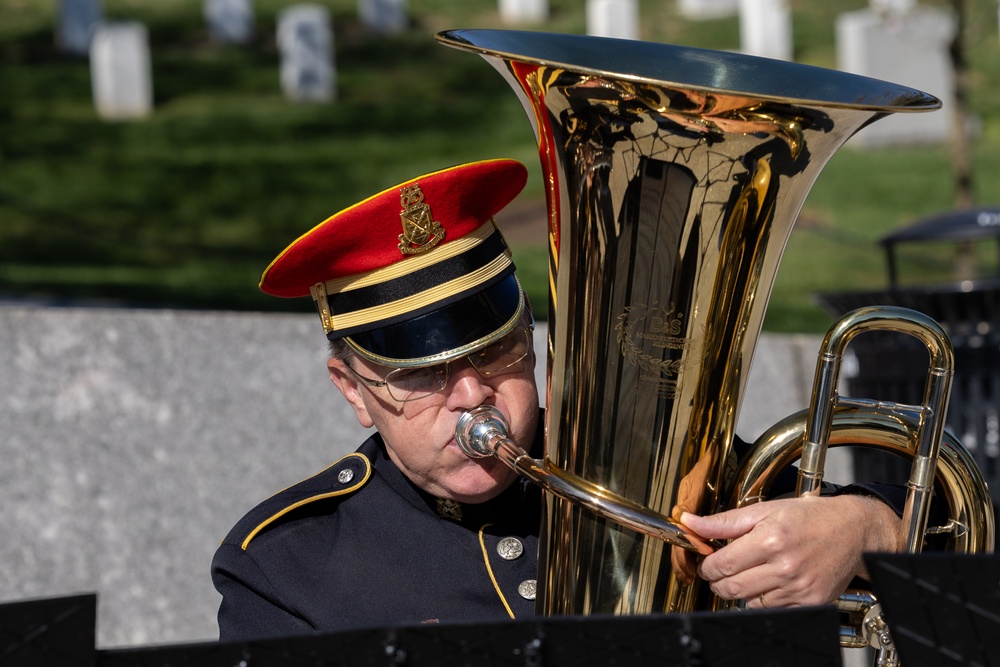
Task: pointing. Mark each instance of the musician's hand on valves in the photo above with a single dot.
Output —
(793, 551)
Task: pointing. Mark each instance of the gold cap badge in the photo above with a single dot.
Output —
(421, 231)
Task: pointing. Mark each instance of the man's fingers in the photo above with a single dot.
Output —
(724, 525)
(748, 585)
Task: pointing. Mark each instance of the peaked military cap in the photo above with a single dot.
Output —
(416, 274)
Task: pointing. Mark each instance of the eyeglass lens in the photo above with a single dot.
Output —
(504, 356)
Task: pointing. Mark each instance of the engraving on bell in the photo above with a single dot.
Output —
(527, 589)
(345, 476)
(510, 548)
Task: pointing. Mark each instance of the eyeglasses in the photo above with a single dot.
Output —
(503, 357)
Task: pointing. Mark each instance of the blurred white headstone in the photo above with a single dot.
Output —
(892, 6)
(766, 28)
(517, 12)
(120, 70)
(707, 9)
(76, 23)
(909, 49)
(613, 18)
(386, 17)
(305, 41)
(229, 20)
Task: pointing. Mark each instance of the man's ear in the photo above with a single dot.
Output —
(350, 387)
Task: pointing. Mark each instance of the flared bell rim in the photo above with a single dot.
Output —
(734, 74)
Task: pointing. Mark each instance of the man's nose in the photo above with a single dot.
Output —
(468, 388)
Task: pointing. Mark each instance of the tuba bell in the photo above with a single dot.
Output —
(673, 177)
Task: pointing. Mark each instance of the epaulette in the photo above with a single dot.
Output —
(341, 478)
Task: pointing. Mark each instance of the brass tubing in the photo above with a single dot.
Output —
(932, 413)
(887, 427)
(483, 430)
(673, 177)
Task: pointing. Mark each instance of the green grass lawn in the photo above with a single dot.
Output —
(187, 208)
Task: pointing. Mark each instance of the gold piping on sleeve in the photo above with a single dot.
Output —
(305, 501)
(489, 569)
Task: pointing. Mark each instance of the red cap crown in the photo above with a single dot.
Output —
(382, 266)
(365, 237)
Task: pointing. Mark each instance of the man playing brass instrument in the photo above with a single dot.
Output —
(426, 319)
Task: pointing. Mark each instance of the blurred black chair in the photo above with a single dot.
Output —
(958, 226)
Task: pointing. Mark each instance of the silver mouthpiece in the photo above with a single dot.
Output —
(477, 428)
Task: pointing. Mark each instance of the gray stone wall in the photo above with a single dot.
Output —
(132, 441)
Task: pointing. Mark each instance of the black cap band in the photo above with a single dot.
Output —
(456, 329)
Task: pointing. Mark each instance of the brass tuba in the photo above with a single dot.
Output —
(673, 178)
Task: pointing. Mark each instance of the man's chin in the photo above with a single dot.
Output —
(487, 483)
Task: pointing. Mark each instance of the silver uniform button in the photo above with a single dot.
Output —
(527, 589)
(345, 476)
(510, 548)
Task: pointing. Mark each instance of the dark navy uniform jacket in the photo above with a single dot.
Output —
(360, 545)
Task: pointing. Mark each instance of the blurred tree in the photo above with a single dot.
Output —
(960, 149)
(961, 153)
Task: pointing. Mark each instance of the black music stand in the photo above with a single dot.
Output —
(56, 632)
(942, 608)
(776, 638)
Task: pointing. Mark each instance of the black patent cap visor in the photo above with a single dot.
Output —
(448, 332)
